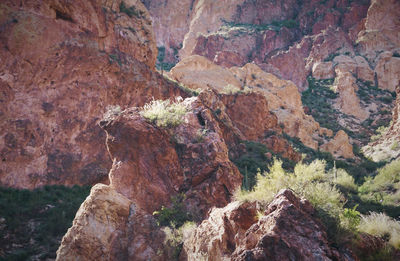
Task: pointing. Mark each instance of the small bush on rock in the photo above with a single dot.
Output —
(165, 113)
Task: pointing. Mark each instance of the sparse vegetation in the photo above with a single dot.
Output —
(174, 216)
(379, 224)
(165, 113)
(130, 11)
(160, 64)
(333, 194)
(174, 238)
(255, 160)
(252, 28)
(34, 221)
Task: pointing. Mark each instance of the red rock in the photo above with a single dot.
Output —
(151, 164)
(291, 64)
(228, 59)
(287, 230)
(62, 66)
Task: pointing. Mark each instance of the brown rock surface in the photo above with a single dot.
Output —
(323, 70)
(170, 20)
(287, 230)
(339, 146)
(282, 96)
(217, 236)
(388, 71)
(62, 65)
(108, 226)
(348, 102)
(382, 27)
(98, 228)
(151, 164)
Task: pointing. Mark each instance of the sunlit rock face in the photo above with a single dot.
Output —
(62, 65)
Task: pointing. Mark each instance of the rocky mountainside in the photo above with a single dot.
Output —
(208, 130)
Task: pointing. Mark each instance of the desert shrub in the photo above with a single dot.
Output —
(379, 224)
(130, 11)
(386, 178)
(309, 181)
(343, 179)
(174, 238)
(165, 113)
(255, 160)
(230, 89)
(174, 216)
(316, 184)
(35, 220)
(350, 218)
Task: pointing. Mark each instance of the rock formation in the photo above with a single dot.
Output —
(283, 98)
(63, 65)
(286, 230)
(339, 146)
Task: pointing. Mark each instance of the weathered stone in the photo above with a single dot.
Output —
(287, 230)
(62, 65)
(323, 70)
(339, 146)
(388, 71)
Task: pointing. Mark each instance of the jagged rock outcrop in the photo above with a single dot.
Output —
(387, 146)
(62, 65)
(170, 20)
(388, 71)
(339, 146)
(287, 230)
(151, 164)
(381, 28)
(323, 70)
(282, 96)
(109, 226)
(348, 102)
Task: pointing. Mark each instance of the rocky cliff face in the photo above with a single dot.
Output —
(62, 65)
(74, 75)
(283, 97)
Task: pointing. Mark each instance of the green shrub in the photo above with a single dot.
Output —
(385, 180)
(350, 218)
(344, 180)
(165, 113)
(130, 11)
(174, 238)
(174, 216)
(309, 181)
(36, 220)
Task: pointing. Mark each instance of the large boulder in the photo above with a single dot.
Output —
(339, 146)
(287, 230)
(388, 71)
(152, 164)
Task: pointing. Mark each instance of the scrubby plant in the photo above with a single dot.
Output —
(379, 224)
(175, 236)
(173, 216)
(130, 11)
(343, 179)
(165, 113)
(310, 181)
(35, 220)
(230, 89)
(387, 177)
